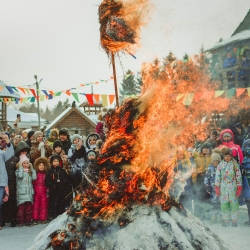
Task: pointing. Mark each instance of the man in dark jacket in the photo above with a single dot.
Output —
(65, 139)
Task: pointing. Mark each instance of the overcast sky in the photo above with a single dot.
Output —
(58, 40)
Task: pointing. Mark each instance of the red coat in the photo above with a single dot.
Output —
(40, 206)
(236, 150)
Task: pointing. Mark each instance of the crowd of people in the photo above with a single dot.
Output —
(39, 175)
(219, 175)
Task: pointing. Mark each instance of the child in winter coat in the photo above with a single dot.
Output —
(57, 181)
(228, 186)
(209, 181)
(53, 136)
(227, 139)
(40, 206)
(246, 177)
(25, 174)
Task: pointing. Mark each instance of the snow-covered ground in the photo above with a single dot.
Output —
(22, 238)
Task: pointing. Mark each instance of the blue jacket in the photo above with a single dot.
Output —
(209, 181)
(5, 156)
(245, 64)
(229, 63)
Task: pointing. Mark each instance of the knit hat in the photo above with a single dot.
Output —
(57, 143)
(206, 145)
(37, 133)
(23, 158)
(75, 136)
(215, 156)
(31, 132)
(3, 144)
(53, 157)
(226, 151)
(91, 152)
(19, 137)
(227, 134)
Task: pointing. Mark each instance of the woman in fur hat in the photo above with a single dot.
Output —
(39, 147)
(40, 206)
(228, 186)
(25, 174)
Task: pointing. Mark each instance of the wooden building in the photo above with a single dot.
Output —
(238, 45)
(5, 93)
(75, 120)
(91, 109)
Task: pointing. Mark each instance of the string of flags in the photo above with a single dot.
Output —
(31, 95)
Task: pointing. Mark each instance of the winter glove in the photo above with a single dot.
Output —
(238, 191)
(217, 190)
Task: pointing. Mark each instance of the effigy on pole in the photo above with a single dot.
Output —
(115, 34)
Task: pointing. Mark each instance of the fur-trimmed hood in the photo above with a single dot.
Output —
(42, 160)
(226, 131)
(54, 132)
(97, 136)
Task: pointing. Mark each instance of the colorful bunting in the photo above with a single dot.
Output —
(104, 100)
(97, 98)
(231, 92)
(75, 95)
(219, 93)
(111, 99)
(240, 91)
(90, 99)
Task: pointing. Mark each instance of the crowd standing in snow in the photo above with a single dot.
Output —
(39, 176)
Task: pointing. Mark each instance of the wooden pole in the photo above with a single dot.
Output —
(115, 80)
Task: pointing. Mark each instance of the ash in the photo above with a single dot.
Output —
(141, 227)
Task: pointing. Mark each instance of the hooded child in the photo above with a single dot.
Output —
(209, 181)
(39, 147)
(4, 189)
(228, 186)
(57, 181)
(91, 141)
(41, 200)
(227, 139)
(25, 174)
(246, 177)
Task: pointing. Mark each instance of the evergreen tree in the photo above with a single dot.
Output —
(33, 108)
(128, 85)
(47, 115)
(58, 109)
(66, 104)
(24, 108)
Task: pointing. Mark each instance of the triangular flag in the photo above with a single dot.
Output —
(179, 96)
(67, 92)
(96, 82)
(1, 99)
(219, 93)
(103, 80)
(104, 100)
(15, 89)
(82, 85)
(5, 99)
(231, 92)
(111, 77)
(240, 91)
(10, 89)
(27, 90)
(50, 96)
(33, 92)
(75, 95)
(58, 93)
(207, 95)
(97, 97)
(188, 99)
(111, 99)
(22, 89)
(45, 92)
(42, 98)
(51, 92)
(248, 91)
(197, 96)
(33, 99)
(90, 99)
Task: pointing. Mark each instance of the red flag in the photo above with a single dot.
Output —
(90, 99)
(240, 91)
(33, 92)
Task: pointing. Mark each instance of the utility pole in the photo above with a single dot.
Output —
(38, 101)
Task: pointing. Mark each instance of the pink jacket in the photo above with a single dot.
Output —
(39, 184)
(236, 150)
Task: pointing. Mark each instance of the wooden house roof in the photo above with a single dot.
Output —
(244, 25)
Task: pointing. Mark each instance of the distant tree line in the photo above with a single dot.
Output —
(47, 114)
